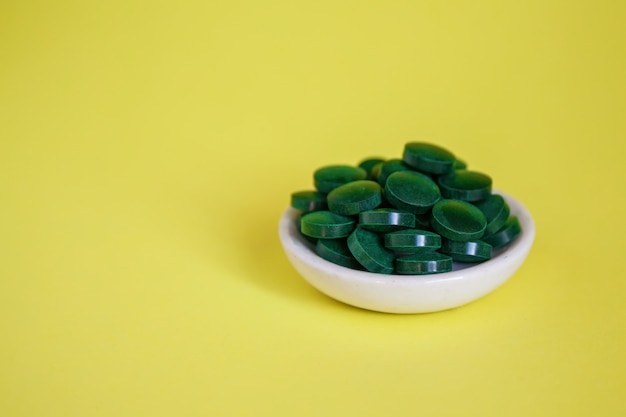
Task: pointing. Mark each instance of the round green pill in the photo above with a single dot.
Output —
(308, 201)
(412, 215)
(459, 164)
(389, 167)
(465, 185)
(386, 220)
(472, 251)
(507, 233)
(427, 157)
(355, 197)
(327, 225)
(369, 164)
(337, 252)
(496, 210)
(458, 220)
(375, 171)
(368, 249)
(423, 263)
(411, 191)
(332, 176)
(412, 240)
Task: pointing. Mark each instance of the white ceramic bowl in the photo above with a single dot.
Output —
(407, 293)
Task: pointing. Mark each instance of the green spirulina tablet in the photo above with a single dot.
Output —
(327, 225)
(375, 171)
(412, 240)
(369, 164)
(507, 233)
(465, 185)
(458, 220)
(472, 251)
(309, 201)
(389, 167)
(411, 191)
(386, 220)
(337, 252)
(332, 176)
(355, 197)
(416, 214)
(367, 247)
(459, 164)
(496, 210)
(423, 263)
(427, 157)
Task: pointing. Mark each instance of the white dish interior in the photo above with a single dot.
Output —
(407, 293)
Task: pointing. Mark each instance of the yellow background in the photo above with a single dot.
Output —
(147, 150)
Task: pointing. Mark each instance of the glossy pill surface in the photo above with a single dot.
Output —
(412, 240)
(332, 176)
(507, 233)
(337, 252)
(423, 263)
(355, 197)
(386, 220)
(411, 191)
(427, 157)
(307, 201)
(472, 251)
(389, 167)
(369, 164)
(496, 210)
(427, 201)
(367, 247)
(465, 185)
(327, 225)
(458, 220)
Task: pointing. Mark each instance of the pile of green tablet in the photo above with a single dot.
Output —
(414, 215)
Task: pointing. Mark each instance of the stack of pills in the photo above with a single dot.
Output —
(414, 215)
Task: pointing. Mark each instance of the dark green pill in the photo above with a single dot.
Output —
(386, 220)
(330, 177)
(367, 247)
(311, 240)
(507, 233)
(337, 252)
(459, 164)
(388, 168)
(369, 164)
(472, 251)
(423, 263)
(411, 191)
(465, 185)
(375, 171)
(309, 201)
(496, 210)
(355, 197)
(326, 225)
(458, 220)
(428, 157)
(412, 240)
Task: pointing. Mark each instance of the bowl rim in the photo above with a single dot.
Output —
(297, 245)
